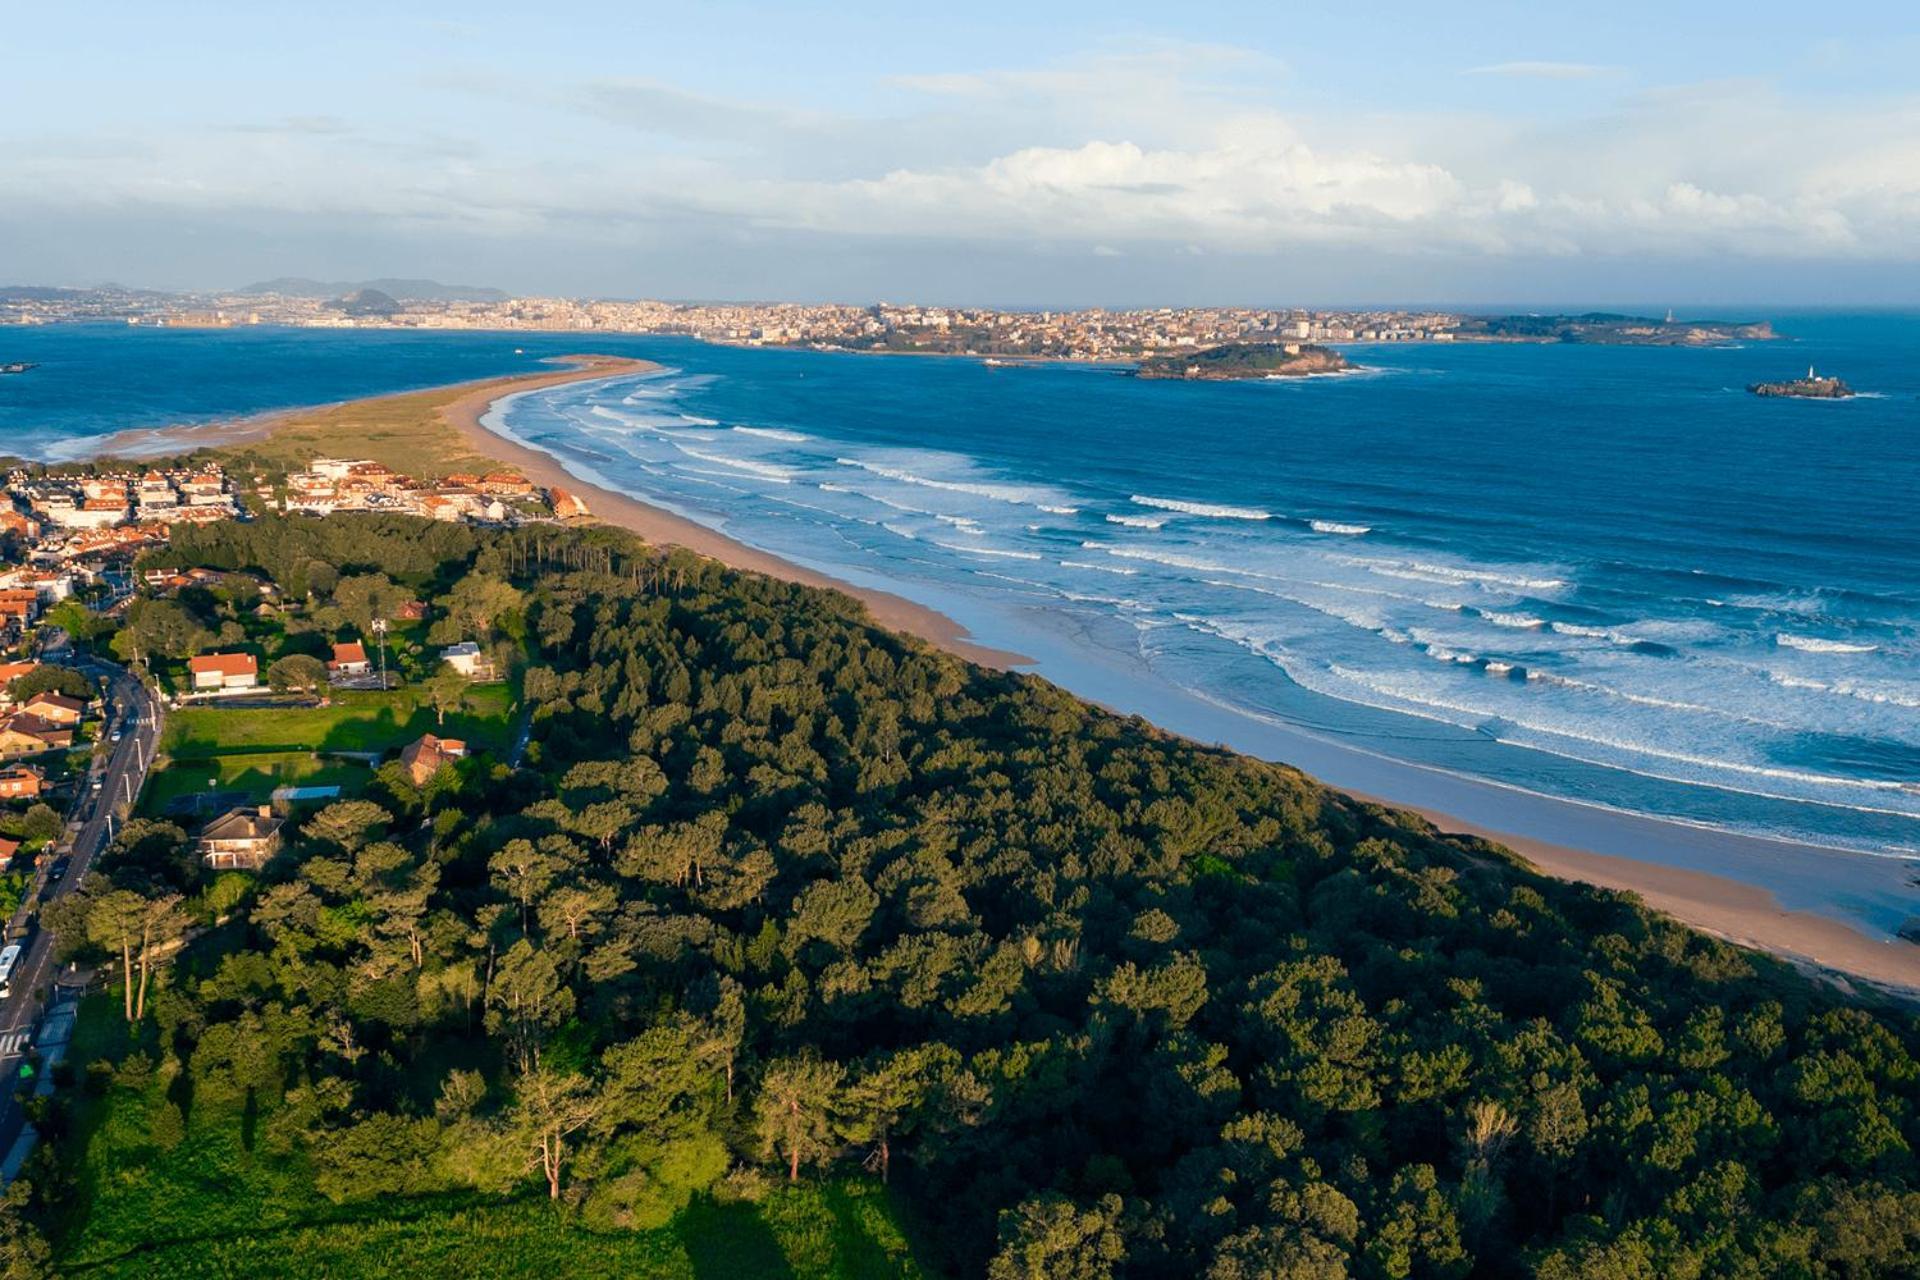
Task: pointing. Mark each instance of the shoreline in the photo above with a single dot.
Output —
(463, 414)
(1734, 910)
(1728, 909)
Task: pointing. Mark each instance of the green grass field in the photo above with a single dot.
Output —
(355, 721)
(252, 775)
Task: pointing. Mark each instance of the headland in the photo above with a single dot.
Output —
(1236, 361)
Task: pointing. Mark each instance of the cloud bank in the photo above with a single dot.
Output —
(1174, 150)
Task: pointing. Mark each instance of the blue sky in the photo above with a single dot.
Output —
(1041, 154)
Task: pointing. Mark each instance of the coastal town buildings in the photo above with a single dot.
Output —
(1082, 334)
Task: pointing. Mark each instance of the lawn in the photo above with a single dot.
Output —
(252, 776)
(354, 721)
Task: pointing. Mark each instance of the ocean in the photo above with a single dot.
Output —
(1604, 575)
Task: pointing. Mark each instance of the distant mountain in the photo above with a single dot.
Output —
(406, 290)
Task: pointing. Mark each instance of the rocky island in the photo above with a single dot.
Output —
(1245, 360)
(1811, 387)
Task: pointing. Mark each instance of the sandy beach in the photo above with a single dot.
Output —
(463, 414)
(1738, 912)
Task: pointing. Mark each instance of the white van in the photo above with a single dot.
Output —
(8, 958)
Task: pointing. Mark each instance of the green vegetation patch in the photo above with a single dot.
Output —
(355, 720)
(251, 778)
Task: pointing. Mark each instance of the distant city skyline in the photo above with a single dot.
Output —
(1063, 155)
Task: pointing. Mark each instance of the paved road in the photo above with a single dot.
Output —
(136, 715)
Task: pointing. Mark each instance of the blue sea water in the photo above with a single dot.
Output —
(1602, 574)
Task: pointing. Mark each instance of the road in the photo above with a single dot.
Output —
(134, 713)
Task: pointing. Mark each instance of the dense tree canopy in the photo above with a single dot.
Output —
(780, 894)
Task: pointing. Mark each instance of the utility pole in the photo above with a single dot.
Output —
(380, 630)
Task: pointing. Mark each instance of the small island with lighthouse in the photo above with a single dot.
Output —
(1811, 387)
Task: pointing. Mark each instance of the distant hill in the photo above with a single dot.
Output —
(406, 290)
(369, 302)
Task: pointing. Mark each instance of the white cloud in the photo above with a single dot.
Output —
(1138, 150)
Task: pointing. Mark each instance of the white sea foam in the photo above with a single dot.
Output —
(1879, 694)
(1173, 560)
(1485, 578)
(1139, 522)
(988, 551)
(1058, 510)
(1099, 568)
(1480, 715)
(763, 470)
(1019, 494)
(1335, 526)
(772, 433)
(1516, 621)
(1814, 644)
(1203, 508)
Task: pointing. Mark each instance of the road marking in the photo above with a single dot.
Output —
(13, 1043)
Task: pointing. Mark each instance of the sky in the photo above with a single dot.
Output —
(1042, 154)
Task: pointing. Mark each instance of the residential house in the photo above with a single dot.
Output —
(566, 506)
(56, 708)
(425, 756)
(468, 660)
(349, 659)
(19, 605)
(21, 782)
(25, 734)
(224, 671)
(240, 839)
(11, 671)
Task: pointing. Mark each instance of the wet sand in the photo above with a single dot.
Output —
(1732, 909)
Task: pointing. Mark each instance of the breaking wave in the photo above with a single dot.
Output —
(1202, 508)
(1814, 644)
